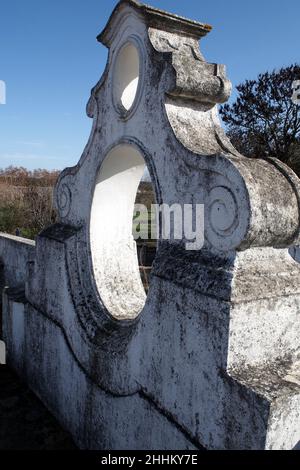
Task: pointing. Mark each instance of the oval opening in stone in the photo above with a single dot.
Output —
(126, 76)
(113, 247)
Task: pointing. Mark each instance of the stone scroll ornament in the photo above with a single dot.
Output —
(210, 357)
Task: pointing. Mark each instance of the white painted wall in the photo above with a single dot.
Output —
(113, 248)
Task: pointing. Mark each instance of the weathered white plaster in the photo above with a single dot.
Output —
(211, 358)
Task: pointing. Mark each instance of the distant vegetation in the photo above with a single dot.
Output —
(26, 200)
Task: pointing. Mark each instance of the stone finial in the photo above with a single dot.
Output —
(163, 55)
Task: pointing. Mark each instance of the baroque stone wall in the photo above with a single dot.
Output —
(15, 253)
(210, 357)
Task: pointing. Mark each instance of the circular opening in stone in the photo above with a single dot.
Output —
(115, 252)
(126, 76)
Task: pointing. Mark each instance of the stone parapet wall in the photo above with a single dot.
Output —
(15, 253)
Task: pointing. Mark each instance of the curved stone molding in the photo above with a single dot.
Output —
(222, 214)
(273, 204)
(64, 200)
(188, 90)
(181, 111)
(195, 78)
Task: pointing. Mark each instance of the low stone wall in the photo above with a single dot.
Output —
(15, 252)
(210, 356)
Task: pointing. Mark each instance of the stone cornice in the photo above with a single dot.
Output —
(155, 18)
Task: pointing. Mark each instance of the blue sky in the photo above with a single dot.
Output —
(50, 59)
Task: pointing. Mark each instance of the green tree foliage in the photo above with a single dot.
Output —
(263, 121)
